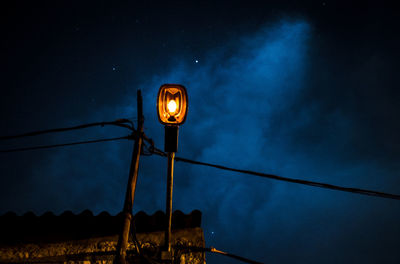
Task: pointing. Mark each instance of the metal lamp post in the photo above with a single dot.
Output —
(172, 108)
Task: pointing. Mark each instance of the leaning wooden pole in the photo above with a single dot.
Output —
(130, 191)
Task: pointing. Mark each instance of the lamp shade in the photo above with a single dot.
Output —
(172, 104)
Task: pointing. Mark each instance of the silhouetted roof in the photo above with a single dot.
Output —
(30, 228)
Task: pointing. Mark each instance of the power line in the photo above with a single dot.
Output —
(280, 178)
(64, 144)
(154, 150)
(213, 250)
(132, 253)
(120, 122)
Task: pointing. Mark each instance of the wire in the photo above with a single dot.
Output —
(119, 122)
(153, 150)
(64, 144)
(213, 250)
(280, 178)
(100, 255)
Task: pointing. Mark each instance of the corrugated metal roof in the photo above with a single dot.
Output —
(30, 228)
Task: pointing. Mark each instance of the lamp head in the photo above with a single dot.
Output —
(172, 104)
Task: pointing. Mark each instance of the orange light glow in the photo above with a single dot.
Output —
(172, 107)
(172, 104)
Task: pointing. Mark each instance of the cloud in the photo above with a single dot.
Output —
(265, 107)
(263, 102)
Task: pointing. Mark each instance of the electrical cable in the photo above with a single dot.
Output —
(280, 178)
(93, 255)
(132, 234)
(118, 122)
(153, 150)
(65, 144)
(213, 250)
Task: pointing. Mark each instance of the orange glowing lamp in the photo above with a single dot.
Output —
(172, 104)
(172, 108)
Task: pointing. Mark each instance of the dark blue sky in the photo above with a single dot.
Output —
(303, 90)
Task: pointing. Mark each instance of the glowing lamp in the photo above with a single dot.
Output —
(172, 104)
(172, 108)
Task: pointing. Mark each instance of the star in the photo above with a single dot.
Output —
(196, 61)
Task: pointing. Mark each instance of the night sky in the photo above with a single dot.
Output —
(300, 89)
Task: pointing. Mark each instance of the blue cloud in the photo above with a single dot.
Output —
(257, 104)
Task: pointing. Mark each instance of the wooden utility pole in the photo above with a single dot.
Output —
(130, 191)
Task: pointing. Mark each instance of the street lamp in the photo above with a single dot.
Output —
(172, 104)
(172, 108)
